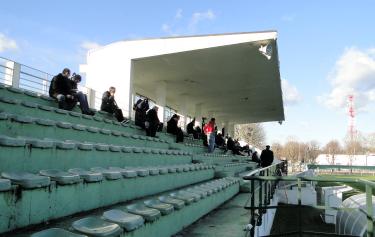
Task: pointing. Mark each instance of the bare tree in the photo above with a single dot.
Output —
(292, 151)
(332, 148)
(370, 142)
(252, 133)
(277, 149)
(313, 150)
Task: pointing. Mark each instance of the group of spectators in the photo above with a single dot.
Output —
(64, 88)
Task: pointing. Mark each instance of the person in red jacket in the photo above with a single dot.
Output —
(209, 130)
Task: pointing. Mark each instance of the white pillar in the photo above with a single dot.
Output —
(230, 129)
(91, 98)
(198, 114)
(161, 95)
(184, 109)
(9, 65)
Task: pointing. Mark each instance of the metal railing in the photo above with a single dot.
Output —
(28, 78)
(267, 179)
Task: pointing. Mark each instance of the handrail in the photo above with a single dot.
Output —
(251, 173)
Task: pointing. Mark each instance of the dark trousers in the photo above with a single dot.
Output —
(65, 103)
(117, 112)
(82, 99)
(151, 130)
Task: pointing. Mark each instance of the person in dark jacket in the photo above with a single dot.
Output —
(109, 105)
(60, 89)
(78, 95)
(266, 157)
(255, 158)
(152, 122)
(172, 127)
(141, 107)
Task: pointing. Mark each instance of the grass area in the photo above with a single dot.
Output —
(357, 188)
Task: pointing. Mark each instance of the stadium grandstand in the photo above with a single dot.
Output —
(64, 173)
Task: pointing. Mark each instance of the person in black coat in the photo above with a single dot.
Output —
(79, 96)
(152, 122)
(172, 127)
(60, 89)
(141, 107)
(109, 105)
(255, 158)
(266, 157)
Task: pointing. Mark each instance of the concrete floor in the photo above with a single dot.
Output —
(228, 220)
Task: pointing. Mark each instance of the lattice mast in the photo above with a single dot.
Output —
(351, 112)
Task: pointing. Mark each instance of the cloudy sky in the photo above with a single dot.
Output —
(326, 48)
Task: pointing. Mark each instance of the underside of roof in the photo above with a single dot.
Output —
(236, 82)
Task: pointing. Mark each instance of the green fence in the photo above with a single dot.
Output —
(263, 184)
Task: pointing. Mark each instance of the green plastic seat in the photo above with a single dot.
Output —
(22, 119)
(92, 129)
(79, 127)
(201, 193)
(149, 214)
(45, 122)
(65, 145)
(11, 141)
(88, 176)
(153, 171)
(164, 208)
(93, 226)
(61, 177)
(126, 173)
(56, 232)
(125, 220)
(177, 203)
(115, 148)
(29, 104)
(27, 180)
(107, 173)
(37, 143)
(101, 147)
(186, 197)
(64, 125)
(4, 184)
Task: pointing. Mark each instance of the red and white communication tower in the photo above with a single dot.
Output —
(351, 112)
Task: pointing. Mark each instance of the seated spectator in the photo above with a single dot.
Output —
(109, 105)
(78, 95)
(152, 123)
(172, 127)
(190, 128)
(231, 145)
(141, 107)
(198, 132)
(220, 142)
(60, 89)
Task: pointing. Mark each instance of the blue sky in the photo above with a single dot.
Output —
(326, 48)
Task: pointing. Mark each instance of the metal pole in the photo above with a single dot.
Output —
(299, 208)
(370, 224)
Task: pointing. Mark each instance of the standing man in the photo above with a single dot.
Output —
(109, 105)
(266, 158)
(209, 130)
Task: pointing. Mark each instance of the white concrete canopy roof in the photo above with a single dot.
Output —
(225, 75)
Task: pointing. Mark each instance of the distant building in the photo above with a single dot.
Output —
(326, 159)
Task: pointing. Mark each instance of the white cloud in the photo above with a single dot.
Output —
(7, 43)
(87, 45)
(189, 25)
(291, 96)
(178, 14)
(198, 17)
(353, 74)
(288, 18)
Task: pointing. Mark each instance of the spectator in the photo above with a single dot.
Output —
(209, 130)
(219, 140)
(255, 157)
(266, 157)
(152, 122)
(141, 107)
(109, 105)
(198, 131)
(190, 128)
(60, 89)
(78, 95)
(231, 145)
(172, 127)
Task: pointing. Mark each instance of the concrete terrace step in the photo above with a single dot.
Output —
(30, 154)
(162, 226)
(21, 125)
(23, 207)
